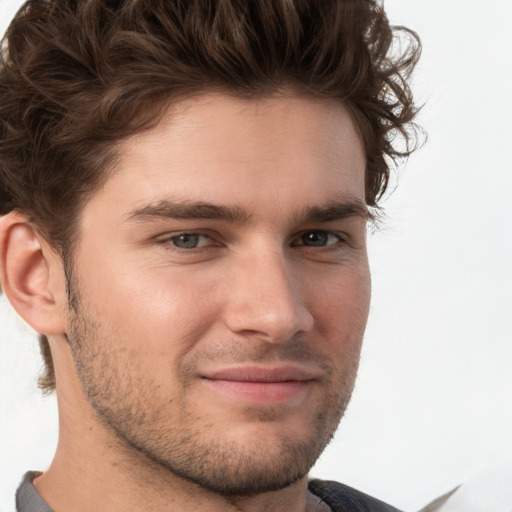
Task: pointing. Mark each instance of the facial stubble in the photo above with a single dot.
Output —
(160, 428)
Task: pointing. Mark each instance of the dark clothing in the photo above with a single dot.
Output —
(338, 496)
(342, 498)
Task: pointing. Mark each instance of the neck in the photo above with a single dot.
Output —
(82, 483)
(95, 470)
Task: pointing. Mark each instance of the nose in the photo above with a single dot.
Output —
(266, 299)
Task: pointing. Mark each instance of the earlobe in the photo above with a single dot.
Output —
(25, 272)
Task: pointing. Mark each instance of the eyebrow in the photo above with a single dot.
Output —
(168, 209)
(234, 214)
(337, 210)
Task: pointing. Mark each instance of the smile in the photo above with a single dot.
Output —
(262, 385)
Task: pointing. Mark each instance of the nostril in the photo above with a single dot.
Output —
(265, 299)
(271, 322)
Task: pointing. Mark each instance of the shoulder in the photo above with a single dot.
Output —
(342, 498)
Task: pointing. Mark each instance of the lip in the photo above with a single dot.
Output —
(265, 374)
(262, 384)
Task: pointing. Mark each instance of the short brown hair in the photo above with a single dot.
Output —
(77, 76)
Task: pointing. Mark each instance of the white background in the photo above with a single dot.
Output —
(433, 400)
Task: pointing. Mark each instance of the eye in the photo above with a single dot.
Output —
(318, 239)
(190, 240)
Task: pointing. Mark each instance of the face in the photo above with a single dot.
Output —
(222, 288)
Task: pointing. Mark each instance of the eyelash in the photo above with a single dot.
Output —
(340, 238)
(167, 241)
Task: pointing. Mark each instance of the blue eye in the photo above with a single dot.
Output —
(190, 240)
(318, 239)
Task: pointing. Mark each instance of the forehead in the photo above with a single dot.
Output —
(254, 152)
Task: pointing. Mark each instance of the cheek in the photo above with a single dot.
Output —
(165, 310)
(341, 308)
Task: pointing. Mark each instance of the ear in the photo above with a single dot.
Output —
(32, 275)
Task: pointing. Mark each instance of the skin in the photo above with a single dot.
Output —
(205, 360)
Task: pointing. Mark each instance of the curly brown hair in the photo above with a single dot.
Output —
(78, 76)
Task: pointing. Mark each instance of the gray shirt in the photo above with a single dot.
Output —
(27, 498)
(338, 496)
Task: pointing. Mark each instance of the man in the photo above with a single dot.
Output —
(185, 190)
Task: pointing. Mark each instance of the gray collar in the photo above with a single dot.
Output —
(27, 498)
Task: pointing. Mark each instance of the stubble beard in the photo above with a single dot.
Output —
(177, 439)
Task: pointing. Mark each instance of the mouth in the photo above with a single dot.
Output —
(262, 384)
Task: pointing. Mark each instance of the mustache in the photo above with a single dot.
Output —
(244, 351)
